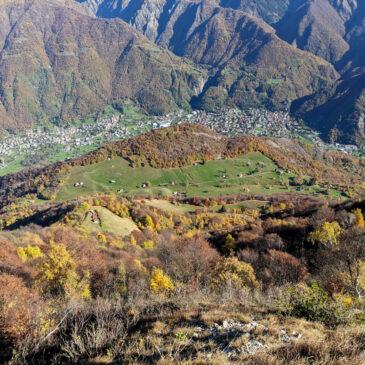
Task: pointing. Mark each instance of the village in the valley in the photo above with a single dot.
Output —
(71, 140)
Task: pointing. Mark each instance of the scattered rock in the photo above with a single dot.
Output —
(229, 330)
(285, 337)
(253, 346)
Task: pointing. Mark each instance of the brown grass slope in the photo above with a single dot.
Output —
(57, 63)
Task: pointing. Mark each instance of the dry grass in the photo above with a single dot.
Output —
(185, 338)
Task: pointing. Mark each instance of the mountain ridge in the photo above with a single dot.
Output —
(234, 45)
(329, 29)
(59, 64)
(222, 54)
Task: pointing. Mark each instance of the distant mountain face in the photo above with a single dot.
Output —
(228, 36)
(270, 11)
(130, 10)
(248, 64)
(335, 31)
(58, 63)
(338, 112)
(65, 59)
(332, 29)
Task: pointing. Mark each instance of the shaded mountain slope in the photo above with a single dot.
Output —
(338, 113)
(315, 26)
(270, 11)
(57, 63)
(331, 29)
(334, 30)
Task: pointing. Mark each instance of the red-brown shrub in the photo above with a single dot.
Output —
(187, 260)
(18, 308)
(275, 268)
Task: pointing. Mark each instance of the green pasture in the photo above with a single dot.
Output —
(251, 173)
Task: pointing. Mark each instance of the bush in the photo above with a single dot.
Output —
(18, 308)
(160, 283)
(314, 304)
(327, 234)
(360, 221)
(94, 329)
(235, 274)
(275, 268)
(149, 245)
(58, 275)
(229, 244)
(29, 253)
(187, 260)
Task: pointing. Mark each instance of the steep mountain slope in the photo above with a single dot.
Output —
(354, 59)
(315, 26)
(339, 112)
(334, 30)
(57, 63)
(270, 11)
(249, 65)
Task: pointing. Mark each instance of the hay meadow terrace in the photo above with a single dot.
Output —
(251, 173)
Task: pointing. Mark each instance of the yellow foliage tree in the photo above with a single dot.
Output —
(29, 253)
(149, 245)
(160, 282)
(327, 234)
(102, 238)
(360, 221)
(191, 233)
(164, 223)
(58, 275)
(354, 278)
(149, 224)
(282, 206)
(235, 273)
(229, 244)
(133, 241)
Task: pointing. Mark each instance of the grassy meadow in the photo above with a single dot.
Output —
(252, 173)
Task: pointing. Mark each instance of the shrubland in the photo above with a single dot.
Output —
(271, 278)
(281, 285)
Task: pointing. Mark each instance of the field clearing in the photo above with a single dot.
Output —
(167, 206)
(251, 173)
(109, 222)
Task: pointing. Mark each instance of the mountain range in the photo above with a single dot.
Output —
(59, 64)
(63, 60)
